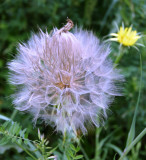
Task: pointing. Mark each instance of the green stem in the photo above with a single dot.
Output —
(120, 55)
(97, 147)
(132, 144)
(26, 151)
(83, 151)
(131, 133)
(64, 138)
(14, 114)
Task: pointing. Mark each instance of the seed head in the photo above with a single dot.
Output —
(64, 78)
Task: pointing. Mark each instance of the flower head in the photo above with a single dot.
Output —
(64, 78)
(126, 36)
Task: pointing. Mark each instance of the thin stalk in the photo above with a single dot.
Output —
(120, 55)
(97, 147)
(131, 133)
(64, 138)
(132, 144)
(83, 151)
(14, 114)
(26, 151)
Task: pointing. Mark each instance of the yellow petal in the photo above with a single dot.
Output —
(114, 34)
(114, 39)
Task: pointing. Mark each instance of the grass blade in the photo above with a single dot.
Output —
(131, 133)
(137, 139)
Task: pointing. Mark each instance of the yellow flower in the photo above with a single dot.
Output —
(126, 36)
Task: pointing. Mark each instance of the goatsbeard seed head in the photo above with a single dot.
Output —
(64, 78)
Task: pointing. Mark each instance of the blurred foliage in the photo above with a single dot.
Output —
(18, 18)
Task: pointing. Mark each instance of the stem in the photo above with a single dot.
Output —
(26, 151)
(133, 143)
(132, 129)
(139, 94)
(120, 55)
(64, 138)
(14, 114)
(97, 148)
(83, 151)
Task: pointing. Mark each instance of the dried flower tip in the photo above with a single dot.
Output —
(69, 25)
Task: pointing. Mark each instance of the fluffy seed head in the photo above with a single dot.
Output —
(64, 78)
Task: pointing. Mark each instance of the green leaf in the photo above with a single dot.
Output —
(79, 157)
(33, 148)
(115, 157)
(29, 158)
(102, 142)
(4, 141)
(77, 149)
(73, 147)
(52, 150)
(19, 141)
(131, 134)
(117, 149)
(22, 133)
(26, 141)
(69, 151)
(126, 151)
(14, 139)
